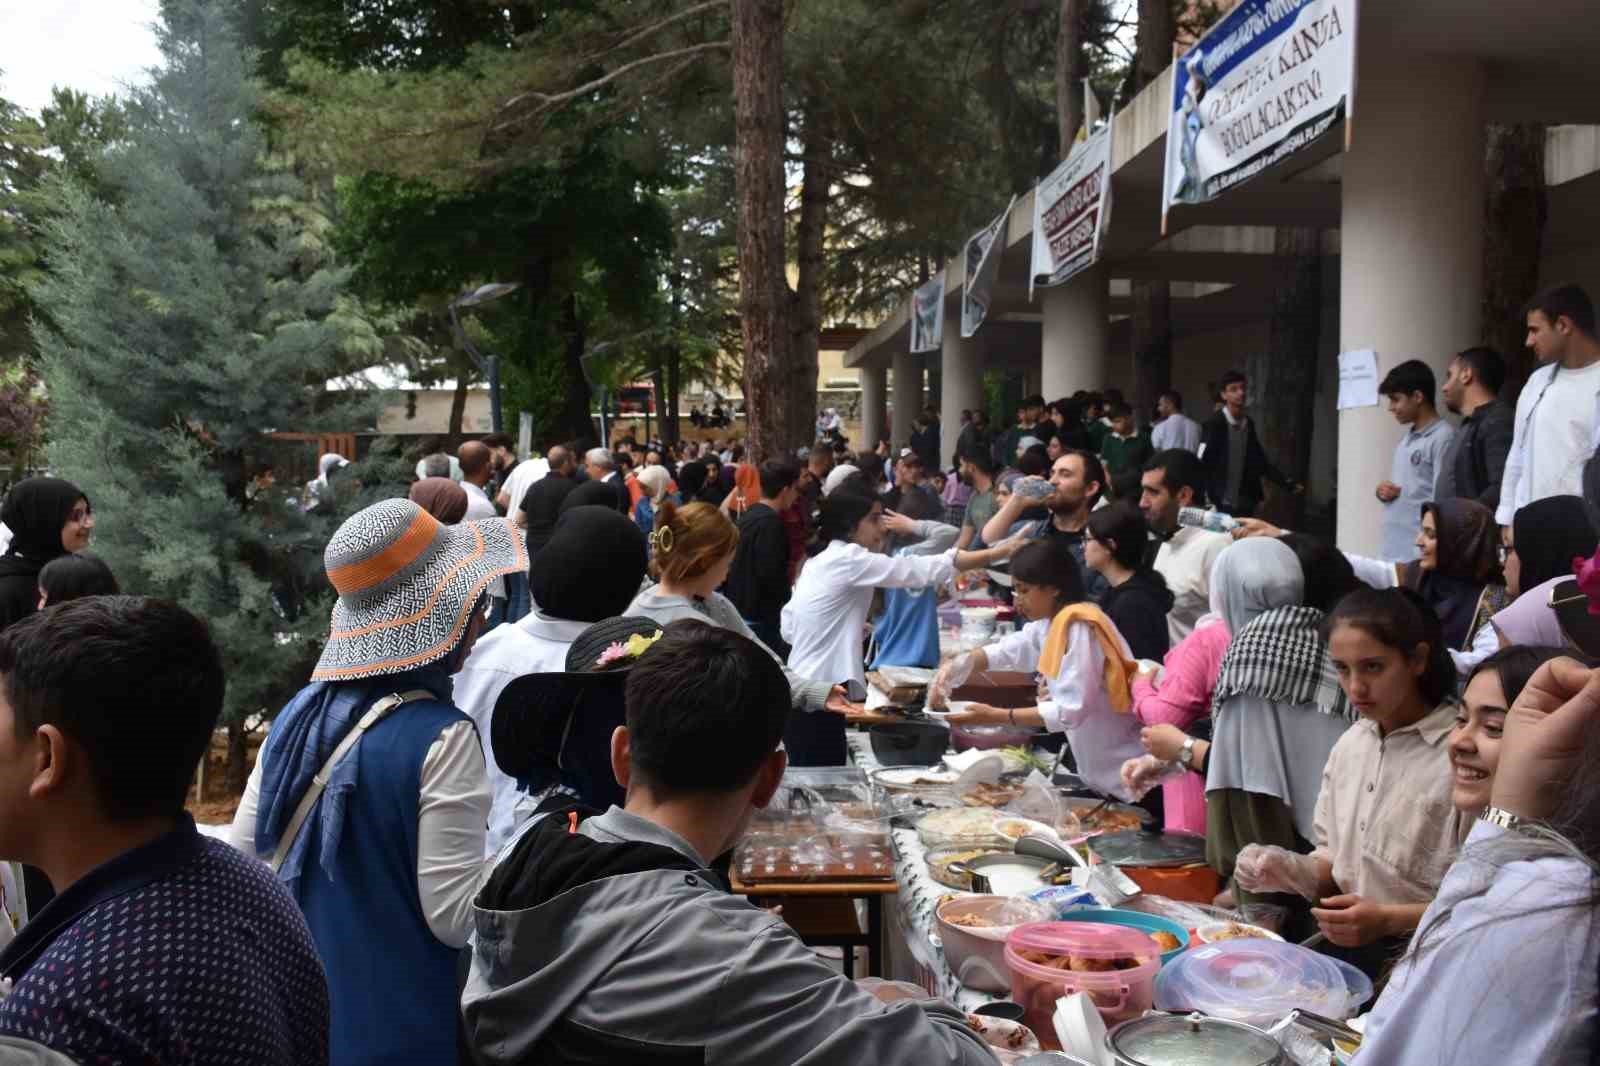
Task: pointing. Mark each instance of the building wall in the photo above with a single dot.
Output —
(428, 411)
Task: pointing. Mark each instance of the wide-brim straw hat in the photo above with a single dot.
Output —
(407, 585)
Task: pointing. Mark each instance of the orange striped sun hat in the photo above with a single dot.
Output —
(407, 585)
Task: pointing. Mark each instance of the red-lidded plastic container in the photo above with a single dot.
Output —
(1117, 994)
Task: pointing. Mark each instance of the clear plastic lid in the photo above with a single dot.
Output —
(1087, 940)
(1260, 981)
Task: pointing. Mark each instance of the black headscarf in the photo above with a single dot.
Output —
(541, 506)
(1466, 562)
(35, 511)
(593, 494)
(592, 566)
(1548, 535)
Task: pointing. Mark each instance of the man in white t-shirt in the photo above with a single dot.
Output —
(517, 485)
(1558, 413)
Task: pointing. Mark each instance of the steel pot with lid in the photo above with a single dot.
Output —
(1193, 1040)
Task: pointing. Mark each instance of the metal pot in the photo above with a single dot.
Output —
(1193, 1040)
(909, 743)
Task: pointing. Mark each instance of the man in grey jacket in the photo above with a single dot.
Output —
(609, 939)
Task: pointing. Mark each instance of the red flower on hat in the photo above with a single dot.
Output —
(1588, 573)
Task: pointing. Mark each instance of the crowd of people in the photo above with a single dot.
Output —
(492, 827)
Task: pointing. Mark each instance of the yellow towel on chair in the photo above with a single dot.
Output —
(1119, 670)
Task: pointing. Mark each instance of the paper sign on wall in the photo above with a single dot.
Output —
(1358, 379)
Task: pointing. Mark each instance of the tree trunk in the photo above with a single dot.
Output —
(674, 379)
(807, 322)
(238, 773)
(1072, 66)
(458, 402)
(1515, 212)
(575, 410)
(1283, 379)
(1152, 300)
(1152, 345)
(1157, 30)
(759, 190)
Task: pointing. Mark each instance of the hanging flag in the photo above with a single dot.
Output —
(927, 316)
(1071, 210)
(984, 249)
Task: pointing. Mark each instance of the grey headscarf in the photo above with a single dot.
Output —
(1253, 576)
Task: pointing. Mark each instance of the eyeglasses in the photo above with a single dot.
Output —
(1506, 551)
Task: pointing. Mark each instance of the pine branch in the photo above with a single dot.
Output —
(550, 101)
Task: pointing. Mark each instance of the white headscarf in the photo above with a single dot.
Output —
(655, 480)
(1253, 576)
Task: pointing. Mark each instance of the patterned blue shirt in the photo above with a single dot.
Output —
(181, 952)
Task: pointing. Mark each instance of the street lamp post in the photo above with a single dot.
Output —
(488, 365)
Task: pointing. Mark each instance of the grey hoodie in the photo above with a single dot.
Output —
(614, 944)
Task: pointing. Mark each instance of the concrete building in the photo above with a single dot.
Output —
(1401, 217)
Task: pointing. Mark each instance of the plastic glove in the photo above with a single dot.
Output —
(1141, 775)
(1269, 868)
(951, 676)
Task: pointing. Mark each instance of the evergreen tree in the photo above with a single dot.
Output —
(185, 332)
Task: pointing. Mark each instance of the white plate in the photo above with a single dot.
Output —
(1003, 1034)
(1208, 933)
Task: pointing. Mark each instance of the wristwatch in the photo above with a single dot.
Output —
(1502, 818)
(1186, 756)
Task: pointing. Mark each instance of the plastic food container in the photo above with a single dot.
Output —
(1145, 923)
(1118, 994)
(977, 954)
(1260, 981)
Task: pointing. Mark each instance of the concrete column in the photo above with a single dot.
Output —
(961, 379)
(1076, 334)
(1411, 268)
(874, 406)
(906, 398)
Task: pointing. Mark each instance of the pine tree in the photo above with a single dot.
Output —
(185, 333)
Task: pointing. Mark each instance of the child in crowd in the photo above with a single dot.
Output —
(1086, 663)
(1386, 828)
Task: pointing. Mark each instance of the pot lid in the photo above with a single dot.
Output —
(1193, 1040)
(1135, 847)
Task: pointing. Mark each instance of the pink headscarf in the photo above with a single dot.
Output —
(1531, 620)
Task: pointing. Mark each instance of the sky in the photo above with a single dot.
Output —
(94, 46)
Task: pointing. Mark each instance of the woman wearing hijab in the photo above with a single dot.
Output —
(440, 497)
(589, 569)
(592, 493)
(1277, 710)
(48, 518)
(1545, 539)
(1457, 573)
(656, 484)
(369, 797)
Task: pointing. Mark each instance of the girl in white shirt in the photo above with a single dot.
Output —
(824, 620)
(1046, 580)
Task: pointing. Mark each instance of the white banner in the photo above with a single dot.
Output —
(984, 249)
(1071, 210)
(927, 316)
(1268, 79)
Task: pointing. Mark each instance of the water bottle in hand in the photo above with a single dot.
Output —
(1214, 521)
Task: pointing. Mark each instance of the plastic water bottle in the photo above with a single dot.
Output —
(1200, 518)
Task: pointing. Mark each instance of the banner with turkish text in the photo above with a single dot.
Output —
(1266, 81)
(1071, 211)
